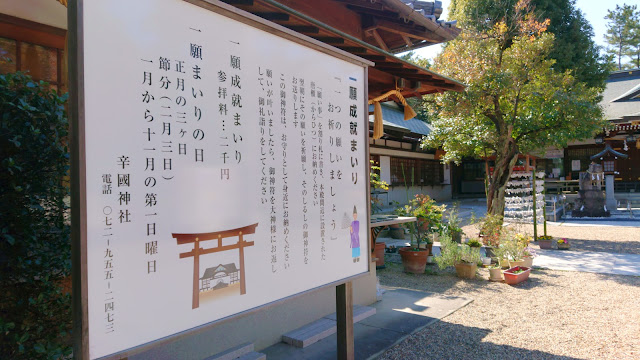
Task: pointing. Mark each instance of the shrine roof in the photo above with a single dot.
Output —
(393, 118)
(212, 271)
(609, 151)
(388, 71)
(621, 97)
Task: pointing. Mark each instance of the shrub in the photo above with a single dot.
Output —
(451, 253)
(35, 253)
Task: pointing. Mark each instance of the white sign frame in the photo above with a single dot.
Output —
(79, 168)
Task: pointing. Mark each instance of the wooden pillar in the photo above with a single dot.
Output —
(243, 285)
(195, 302)
(344, 314)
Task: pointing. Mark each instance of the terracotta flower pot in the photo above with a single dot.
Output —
(511, 278)
(563, 246)
(527, 261)
(428, 247)
(466, 271)
(545, 244)
(379, 254)
(495, 274)
(414, 261)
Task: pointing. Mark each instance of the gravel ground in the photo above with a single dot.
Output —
(553, 315)
(611, 239)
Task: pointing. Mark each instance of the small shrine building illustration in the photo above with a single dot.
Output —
(219, 277)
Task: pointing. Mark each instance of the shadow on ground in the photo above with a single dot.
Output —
(452, 341)
(620, 247)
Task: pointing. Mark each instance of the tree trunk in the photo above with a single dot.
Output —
(506, 159)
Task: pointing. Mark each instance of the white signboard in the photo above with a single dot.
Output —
(225, 169)
(575, 165)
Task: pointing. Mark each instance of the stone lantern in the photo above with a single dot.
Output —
(608, 159)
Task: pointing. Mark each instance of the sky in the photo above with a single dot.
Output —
(594, 11)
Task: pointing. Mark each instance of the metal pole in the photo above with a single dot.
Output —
(535, 205)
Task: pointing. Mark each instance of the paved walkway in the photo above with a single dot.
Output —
(588, 261)
(583, 261)
(400, 313)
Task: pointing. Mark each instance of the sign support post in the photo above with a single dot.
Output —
(344, 315)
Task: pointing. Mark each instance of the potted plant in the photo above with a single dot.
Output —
(545, 242)
(474, 243)
(563, 244)
(414, 258)
(516, 275)
(377, 186)
(453, 224)
(501, 256)
(514, 251)
(529, 254)
(463, 257)
(495, 272)
(427, 243)
(490, 232)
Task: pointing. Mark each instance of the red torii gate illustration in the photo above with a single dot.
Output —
(197, 251)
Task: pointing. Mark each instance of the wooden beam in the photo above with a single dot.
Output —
(403, 29)
(380, 76)
(303, 29)
(388, 64)
(329, 39)
(375, 58)
(379, 40)
(372, 5)
(353, 49)
(385, 14)
(273, 16)
(238, 2)
(401, 71)
(406, 39)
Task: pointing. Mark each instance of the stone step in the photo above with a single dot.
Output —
(234, 353)
(320, 329)
(253, 356)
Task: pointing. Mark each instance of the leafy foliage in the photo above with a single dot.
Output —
(376, 183)
(574, 48)
(623, 34)
(451, 253)
(515, 101)
(35, 253)
(428, 214)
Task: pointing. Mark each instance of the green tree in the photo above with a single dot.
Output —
(35, 251)
(620, 31)
(574, 48)
(634, 43)
(515, 102)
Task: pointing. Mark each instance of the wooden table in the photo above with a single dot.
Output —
(377, 227)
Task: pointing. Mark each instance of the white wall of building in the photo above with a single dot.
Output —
(398, 194)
